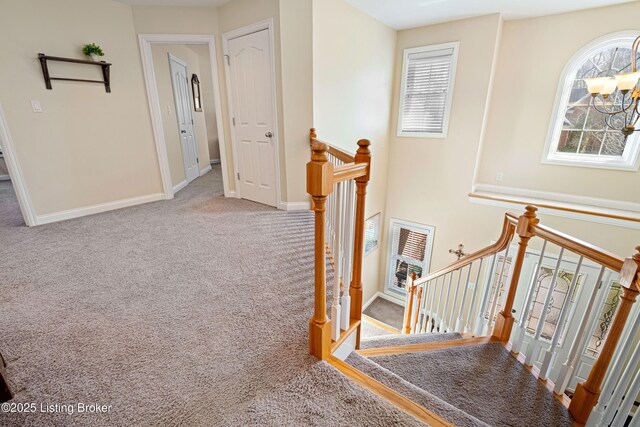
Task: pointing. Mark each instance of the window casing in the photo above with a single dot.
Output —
(578, 135)
(428, 74)
(410, 248)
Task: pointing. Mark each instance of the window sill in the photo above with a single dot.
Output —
(582, 162)
(594, 210)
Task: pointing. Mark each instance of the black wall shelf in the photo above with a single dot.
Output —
(47, 78)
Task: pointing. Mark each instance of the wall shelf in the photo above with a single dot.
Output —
(47, 78)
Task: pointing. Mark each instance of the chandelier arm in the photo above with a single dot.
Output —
(603, 111)
(634, 54)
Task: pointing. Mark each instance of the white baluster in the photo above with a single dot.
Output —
(458, 327)
(452, 316)
(422, 315)
(581, 340)
(433, 286)
(348, 254)
(481, 321)
(500, 282)
(611, 383)
(550, 354)
(476, 285)
(528, 305)
(635, 421)
(438, 317)
(443, 324)
(628, 401)
(533, 349)
(337, 274)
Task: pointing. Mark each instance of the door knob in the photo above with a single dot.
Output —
(268, 134)
(183, 131)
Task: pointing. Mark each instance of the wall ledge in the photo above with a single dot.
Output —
(603, 211)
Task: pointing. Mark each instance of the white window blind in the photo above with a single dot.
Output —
(427, 86)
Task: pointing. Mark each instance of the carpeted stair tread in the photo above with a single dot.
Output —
(484, 381)
(427, 400)
(321, 396)
(398, 340)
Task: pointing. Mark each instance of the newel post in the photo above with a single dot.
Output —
(587, 393)
(319, 186)
(504, 319)
(363, 155)
(408, 313)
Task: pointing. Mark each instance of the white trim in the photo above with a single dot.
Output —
(268, 25)
(294, 206)
(426, 264)
(630, 160)
(205, 170)
(452, 77)
(587, 202)
(5, 178)
(569, 202)
(214, 162)
(145, 41)
(180, 186)
(94, 209)
(15, 172)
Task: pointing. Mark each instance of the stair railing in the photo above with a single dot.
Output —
(337, 182)
(615, 360)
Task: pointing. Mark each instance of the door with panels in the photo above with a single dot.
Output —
(252, 97)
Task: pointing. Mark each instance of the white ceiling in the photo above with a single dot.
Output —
(175, 2)
(402, 14)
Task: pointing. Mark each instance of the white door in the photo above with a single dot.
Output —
(250, 75)
(184, 114)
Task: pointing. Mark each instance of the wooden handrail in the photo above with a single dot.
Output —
(336, 152)
(349, 171)
(508, 229)
(580, 247)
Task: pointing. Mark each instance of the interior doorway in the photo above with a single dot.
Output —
(184, 98)
(10, 214)
(251, 92)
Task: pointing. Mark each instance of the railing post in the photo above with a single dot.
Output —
(363, 155)
(504, 319)
(587, 393)
(408, 311)
(319, 186)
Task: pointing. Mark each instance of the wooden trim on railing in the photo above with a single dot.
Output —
(427, 346)
(390, 395)
(580, 247)
(553, 206)
(508, 230)
(349, 171)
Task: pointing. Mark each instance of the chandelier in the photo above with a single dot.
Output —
(623, 117)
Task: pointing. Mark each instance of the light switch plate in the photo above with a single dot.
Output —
(36, 106)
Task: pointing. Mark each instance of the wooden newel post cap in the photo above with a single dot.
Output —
(363, 146)
(636, 257)
(319, 171)
(530, 211)
(312, 134)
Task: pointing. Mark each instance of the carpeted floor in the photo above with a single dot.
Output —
(189, 312)
(385, 311)
(484, 381)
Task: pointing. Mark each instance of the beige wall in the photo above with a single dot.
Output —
(87, 147)
(353, 68)
(429, 178)
(168, 108)
(532, 56)
(208, 104)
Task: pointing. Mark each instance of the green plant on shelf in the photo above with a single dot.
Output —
(92, 50)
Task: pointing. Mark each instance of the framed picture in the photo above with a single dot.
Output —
(371, 234)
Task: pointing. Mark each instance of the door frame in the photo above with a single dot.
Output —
(15, 173)
(145, 42)
(182, 63)
(266, 24)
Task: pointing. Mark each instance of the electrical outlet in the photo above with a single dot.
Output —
(499, 176)
(169, 109)
(36, 106)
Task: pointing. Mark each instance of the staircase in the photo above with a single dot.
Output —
(538, 333)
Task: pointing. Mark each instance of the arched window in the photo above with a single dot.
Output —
(578, 135)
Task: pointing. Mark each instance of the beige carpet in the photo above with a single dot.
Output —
(190, 312)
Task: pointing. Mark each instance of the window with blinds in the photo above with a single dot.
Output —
(427, 89)
(410, 251)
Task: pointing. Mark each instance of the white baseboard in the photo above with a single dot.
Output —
(94, 209)
(232, 194)
(390, 298)
(205, 170)
(179, 186)
(215, 162)
(5, 178)
(294, 206)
